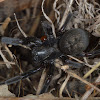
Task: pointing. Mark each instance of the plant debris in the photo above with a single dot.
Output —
(23, 18)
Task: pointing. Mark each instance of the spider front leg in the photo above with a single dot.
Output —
(21, 76)
(28, 42)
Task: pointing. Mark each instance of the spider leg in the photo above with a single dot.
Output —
(93, 53)
(48, 32)
(21, 76)
(28, 42)
(69, 17)
(47, 28)
(11, 41)
(74, 64)
(47, 82)
(90, 54)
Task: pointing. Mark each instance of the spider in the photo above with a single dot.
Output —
(45, 50)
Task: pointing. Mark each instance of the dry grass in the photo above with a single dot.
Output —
(86, 15)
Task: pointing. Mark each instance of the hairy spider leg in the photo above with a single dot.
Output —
(21, 76)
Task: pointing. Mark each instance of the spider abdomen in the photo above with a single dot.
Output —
(74, 41)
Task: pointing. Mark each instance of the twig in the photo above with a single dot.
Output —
(81, 79)
(9, 52)
(42, 79)
(35, 8)
(19, 26)
(57, 13)
(63, 85)
(57, 76)
(6, 22)
(80, 61)
(53, 28)
(4, 25)
(12, 63)
(5, 60)
(87, 93)
(34, 26)
(89, 8)
(76, 97)
(66, 14)
(67, 92)
(90, 71)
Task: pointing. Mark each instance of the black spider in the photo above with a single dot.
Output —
(71, 42)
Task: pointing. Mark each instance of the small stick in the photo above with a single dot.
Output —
(19, 26)
(87, 93)
(2, 62)
(42, 79)
(9, 52)
(65, 14)
(63, 85)
(90, 71)
(81, 79)
(79, 61)
(5, 60)
(53, 28)
(4, 25)
(57, 13)
(6, 22)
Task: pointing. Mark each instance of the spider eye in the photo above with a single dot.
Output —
(43, 38)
